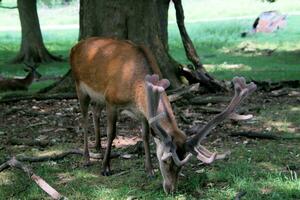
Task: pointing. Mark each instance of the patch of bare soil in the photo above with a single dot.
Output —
(39, 124)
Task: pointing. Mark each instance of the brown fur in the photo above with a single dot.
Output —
(117, 69)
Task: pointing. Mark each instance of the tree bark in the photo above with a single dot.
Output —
(32, 48)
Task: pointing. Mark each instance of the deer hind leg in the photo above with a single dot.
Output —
(111, 134)
(84, 101)
(145, 136)
(96, 110)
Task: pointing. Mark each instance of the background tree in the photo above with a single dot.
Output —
(32, 48)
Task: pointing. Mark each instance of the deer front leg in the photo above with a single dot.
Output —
(96, 110)
(145, 136)
(111, 134)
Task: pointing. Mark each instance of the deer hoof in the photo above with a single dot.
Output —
(106, 173)
(150, 174)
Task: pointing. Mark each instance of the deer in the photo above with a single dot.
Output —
(13, 84)
(118, 74)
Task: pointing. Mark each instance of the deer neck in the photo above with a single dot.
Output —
(168, 121)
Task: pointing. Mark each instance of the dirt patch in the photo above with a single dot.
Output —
(58, 121)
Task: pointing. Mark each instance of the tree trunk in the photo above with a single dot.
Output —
(32, 48)
(143, 22)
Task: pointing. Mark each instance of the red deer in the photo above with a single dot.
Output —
(20, 83)
(121, 75)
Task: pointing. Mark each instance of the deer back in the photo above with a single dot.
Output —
(111, 70)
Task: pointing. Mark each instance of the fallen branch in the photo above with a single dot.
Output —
(210, 110)
(60, 156)
(209, 99)
(28, 142)
(44, 96)
(269, 136)
(250, 134)
(269, 86)
(180, 93)
(59, 96)
(14, 163)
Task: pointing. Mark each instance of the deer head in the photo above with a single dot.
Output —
(173, 155)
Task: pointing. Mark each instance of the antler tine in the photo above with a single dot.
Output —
(240, 82)
(154, 89)
(242, 90)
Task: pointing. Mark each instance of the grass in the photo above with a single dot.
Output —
(257, 167)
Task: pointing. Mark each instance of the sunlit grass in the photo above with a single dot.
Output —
(252, 168)
(284, 118)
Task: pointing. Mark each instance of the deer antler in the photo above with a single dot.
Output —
(242, 90)
(154, 88)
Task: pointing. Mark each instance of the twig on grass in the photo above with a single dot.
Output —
(14, 163)
(240, 195)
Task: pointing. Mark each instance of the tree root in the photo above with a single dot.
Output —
(44, 56)
(179, 94)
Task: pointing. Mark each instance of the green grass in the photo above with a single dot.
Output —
(258, 168)
(219, 44)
